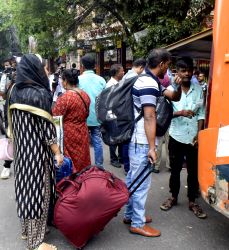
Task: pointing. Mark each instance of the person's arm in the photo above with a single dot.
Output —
(150, 130)
(49, 134)
(57, 154)
(185, 113)
(200, 127)
(60, 106)
(175, 94)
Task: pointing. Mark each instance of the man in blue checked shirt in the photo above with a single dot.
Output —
(187, 122)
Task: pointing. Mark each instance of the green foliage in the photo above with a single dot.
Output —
(42, 19)
(52, 22)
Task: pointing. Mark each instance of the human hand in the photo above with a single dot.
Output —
(187, 113)
(59, 159)
(152, 156)
(195, 140)
(177, 80)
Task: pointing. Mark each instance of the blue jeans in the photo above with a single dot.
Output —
(135, 209)
(125, 157)
(97, 143)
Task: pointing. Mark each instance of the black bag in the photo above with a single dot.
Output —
(114, 109)
(164, 114)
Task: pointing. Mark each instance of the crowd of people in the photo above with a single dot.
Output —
(34, 97)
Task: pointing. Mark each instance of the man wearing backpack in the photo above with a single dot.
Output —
(137, 69)
(116, 74)
(93, 84)
(142, 148)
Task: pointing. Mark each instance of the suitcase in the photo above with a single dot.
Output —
(88, 201)
(64, 170)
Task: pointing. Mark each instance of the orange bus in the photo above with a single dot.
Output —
(213, 158)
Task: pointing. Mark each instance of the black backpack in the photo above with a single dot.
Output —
(164, 110)
(115, 110)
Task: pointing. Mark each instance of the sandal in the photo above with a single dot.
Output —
(197, 210)
(45, 246)
(168, 204)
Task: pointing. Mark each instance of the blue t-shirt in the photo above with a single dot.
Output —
(92, 84)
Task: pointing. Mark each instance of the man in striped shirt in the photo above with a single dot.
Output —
(142, 148)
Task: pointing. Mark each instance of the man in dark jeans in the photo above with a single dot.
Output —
(187, 122)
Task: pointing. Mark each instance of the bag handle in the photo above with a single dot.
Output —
(9, 129)
(64, 183)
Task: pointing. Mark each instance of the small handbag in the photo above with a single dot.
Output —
(64, 170)
(6, 144)
(6, 149)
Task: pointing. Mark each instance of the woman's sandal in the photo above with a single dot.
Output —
(45, 246)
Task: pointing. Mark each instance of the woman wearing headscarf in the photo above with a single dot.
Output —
(74, 106)
(35, 144)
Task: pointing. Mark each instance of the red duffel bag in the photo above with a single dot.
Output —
(87, 202)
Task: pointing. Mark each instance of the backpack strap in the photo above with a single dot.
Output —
(141, 113)
(139, 110)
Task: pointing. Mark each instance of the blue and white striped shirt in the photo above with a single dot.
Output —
(145, 92)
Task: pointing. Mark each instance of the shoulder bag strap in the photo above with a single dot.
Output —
(85, 105)
(9, 129)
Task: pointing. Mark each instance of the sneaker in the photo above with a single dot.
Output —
(5, 173)
(116, 164)
(156, 171)
(146, 231)
(197, 210)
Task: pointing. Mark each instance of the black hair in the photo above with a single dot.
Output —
(88, 61)
(7, 60)
(140, 62)
(73, 65)
(156, 56)
(184, 63)
(115, 69)
(201, 72)
(71, 76)
(13, 59)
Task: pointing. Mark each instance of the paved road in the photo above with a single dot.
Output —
(180, 228)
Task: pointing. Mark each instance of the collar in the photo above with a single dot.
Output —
(148, 72)
(191, 88)
(89, 71)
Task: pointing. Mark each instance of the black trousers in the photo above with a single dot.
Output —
(177, 152)
(113, 156)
